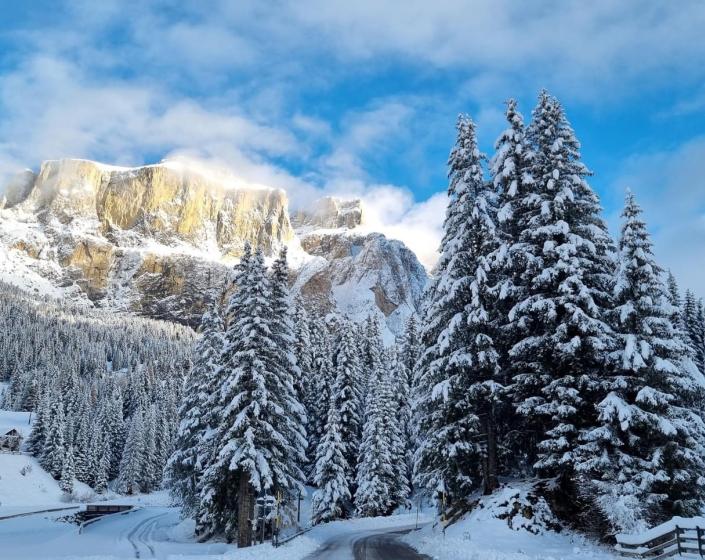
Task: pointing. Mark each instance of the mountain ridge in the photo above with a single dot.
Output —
(159, 240)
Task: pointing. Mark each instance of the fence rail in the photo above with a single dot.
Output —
(673, 541)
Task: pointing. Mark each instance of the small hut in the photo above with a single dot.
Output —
(11, 441)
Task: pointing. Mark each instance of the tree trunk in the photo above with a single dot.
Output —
(490, 474)
(245, 501)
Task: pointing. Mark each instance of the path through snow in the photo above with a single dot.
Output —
(380, 544)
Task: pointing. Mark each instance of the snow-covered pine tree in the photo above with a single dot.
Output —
(215, 507)
(371, 357)
(510, 170)
(197, 416)
(151, 471)
(110, 423)
(320, 391)
(395, 406)
(644, 459)
(304, 353)
(82, 448)
(67, 472)
(700, 326)
(687, 362)
(374, 462)
(102, 465)
(261, 436)
(563, 338)
(675, 299)
(409, 354)
(35, 442)
(285, 365)
(133, 459)
(463, 355)
(331, 499)
(694, 328)
(375, 471)
(346, 395)
(52, 454)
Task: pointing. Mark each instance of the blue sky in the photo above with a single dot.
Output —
(360, 98)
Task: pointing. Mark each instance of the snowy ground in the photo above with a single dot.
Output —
(155, 530)
(158, 532)
(482, 536)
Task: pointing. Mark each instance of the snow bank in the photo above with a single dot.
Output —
(482, 535)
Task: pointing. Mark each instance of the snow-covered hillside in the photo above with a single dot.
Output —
(24, 484)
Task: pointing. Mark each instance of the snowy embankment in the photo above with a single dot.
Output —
(482, 535)
(24, 484)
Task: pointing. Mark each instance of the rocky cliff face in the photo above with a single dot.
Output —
(158, 240)
(169, 204)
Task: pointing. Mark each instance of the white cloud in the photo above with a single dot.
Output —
(419, 225)
(78, 91)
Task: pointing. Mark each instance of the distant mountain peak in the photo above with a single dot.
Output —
(158, 240)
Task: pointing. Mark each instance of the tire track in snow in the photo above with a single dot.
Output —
(140, 532)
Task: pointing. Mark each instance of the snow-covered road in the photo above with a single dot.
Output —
(377, 544)
(152, 532)
(158, 532)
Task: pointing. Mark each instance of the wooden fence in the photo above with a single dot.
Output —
(674, 541)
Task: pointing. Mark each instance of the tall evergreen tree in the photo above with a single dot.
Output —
(510, 170)
(102, 465)
(319, 392)
(304, 353)
(35, 442)
(261, 437)
(67, 472)
(82, 448)
(410, 352)
(52, 455)
(347, 397)
(285, 365)
(331, 499)
(563, 338)
(692, 317)
(644, 459)
(187, 462)
(151, 470)
(132, 465)
(394, 403)
(448, 458)
(374, 495)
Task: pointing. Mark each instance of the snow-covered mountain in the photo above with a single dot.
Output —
(158, 240)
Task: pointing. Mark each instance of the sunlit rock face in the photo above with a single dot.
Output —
(164, 203)
(161, 240)
(362, 273)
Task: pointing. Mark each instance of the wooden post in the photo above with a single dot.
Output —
(244, 512)
(678, 540)
(263, 515)
(418, 505)
(298, 511)
(700, 541)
